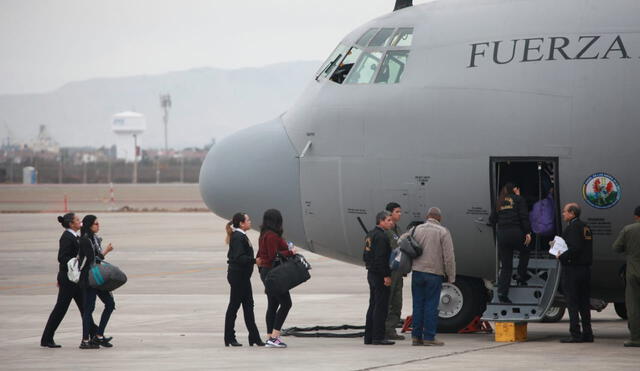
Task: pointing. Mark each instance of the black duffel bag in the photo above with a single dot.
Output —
(106, 277)
(291, 272)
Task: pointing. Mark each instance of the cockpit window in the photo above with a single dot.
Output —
(402, 37)
(392, 68)
(331, 62)
(364, 39)
(380, 56)
(382, 37)
(346, 65)
(364, 71)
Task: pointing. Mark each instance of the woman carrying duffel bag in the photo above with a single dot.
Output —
(270, 245)
(90, 254)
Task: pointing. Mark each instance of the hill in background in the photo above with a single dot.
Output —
(206, 103)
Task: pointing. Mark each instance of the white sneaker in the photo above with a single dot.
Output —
(275, 343)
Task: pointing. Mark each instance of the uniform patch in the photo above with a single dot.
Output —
(367, 244)
(586, 233)
(601, 191)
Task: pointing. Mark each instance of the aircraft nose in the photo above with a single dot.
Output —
(253, 170)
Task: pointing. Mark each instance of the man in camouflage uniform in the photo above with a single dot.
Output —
(395, 298)
(628, 242)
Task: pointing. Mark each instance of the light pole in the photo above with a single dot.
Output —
(135, 159)
(165, 103)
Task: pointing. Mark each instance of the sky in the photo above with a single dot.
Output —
(47, 43)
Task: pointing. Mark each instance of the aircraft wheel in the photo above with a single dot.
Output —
(460, 302)
(555, 313)
(621, 310)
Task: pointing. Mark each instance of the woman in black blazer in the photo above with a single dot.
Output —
(67, 290)
(91, 252)
(241, 261)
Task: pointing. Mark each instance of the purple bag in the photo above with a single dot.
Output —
(542, 217)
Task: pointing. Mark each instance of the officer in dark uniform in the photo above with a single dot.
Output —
(576, 274)
(376, 254)
(510, 217)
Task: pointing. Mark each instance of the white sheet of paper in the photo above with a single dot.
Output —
(558, 247)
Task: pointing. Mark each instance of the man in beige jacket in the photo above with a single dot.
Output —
(436, 263)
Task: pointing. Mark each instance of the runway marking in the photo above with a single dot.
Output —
(4, 288)
(448, 354)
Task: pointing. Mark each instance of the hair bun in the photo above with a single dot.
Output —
(60, 219)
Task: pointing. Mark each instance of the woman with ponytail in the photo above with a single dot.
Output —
(67, 290)
(241, 262)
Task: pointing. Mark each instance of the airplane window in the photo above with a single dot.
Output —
(402, 37)
(382, 37)
(331, 62)
(364, 39)
(365, 69)
(392, 67)
(345, 66)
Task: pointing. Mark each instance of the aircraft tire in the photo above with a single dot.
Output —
(469, 298)
(555, 313)
(621, 310)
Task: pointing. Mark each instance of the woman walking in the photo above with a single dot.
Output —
(241, 261)
(67, 290)
(271, 244)
(513, 232)
(91, 252)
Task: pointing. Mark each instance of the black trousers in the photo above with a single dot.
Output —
(241, 294)
(278, 306)
(576, 286)
(67, 291)
(509, 240)
(378, 308)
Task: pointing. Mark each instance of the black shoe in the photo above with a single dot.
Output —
(587, 339)
(383, 342)
(104, 342)
(88, 345)
(50, 344)
(257, 342)
(571, 340)
(233, 343)
(504, 299)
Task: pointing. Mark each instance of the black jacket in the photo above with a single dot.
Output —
(380, 245)
(579, 240)
(87, 251)
(68, 249)
(240, 256)
(513, 213)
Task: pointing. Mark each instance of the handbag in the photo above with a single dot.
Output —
(104, 276)
(291, 272)
(410, 246)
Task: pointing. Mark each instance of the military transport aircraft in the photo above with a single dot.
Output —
(440, 104)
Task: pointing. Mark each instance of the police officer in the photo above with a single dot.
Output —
(576, 274)
(513, 232)
(395, 296)
(376, 254)
(628, 242)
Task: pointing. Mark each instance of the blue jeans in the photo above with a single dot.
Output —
(425, 289)
(90, 304)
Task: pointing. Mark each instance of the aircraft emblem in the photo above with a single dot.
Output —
(601, 191)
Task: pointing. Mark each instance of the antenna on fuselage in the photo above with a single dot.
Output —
(400, 4)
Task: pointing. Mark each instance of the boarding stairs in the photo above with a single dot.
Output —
(530, 302)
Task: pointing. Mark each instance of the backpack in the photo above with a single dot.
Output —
(542, 217)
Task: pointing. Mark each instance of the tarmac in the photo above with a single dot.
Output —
(170, 314)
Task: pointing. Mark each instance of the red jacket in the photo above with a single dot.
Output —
(268, 245)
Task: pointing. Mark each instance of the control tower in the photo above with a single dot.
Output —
(128, 126)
